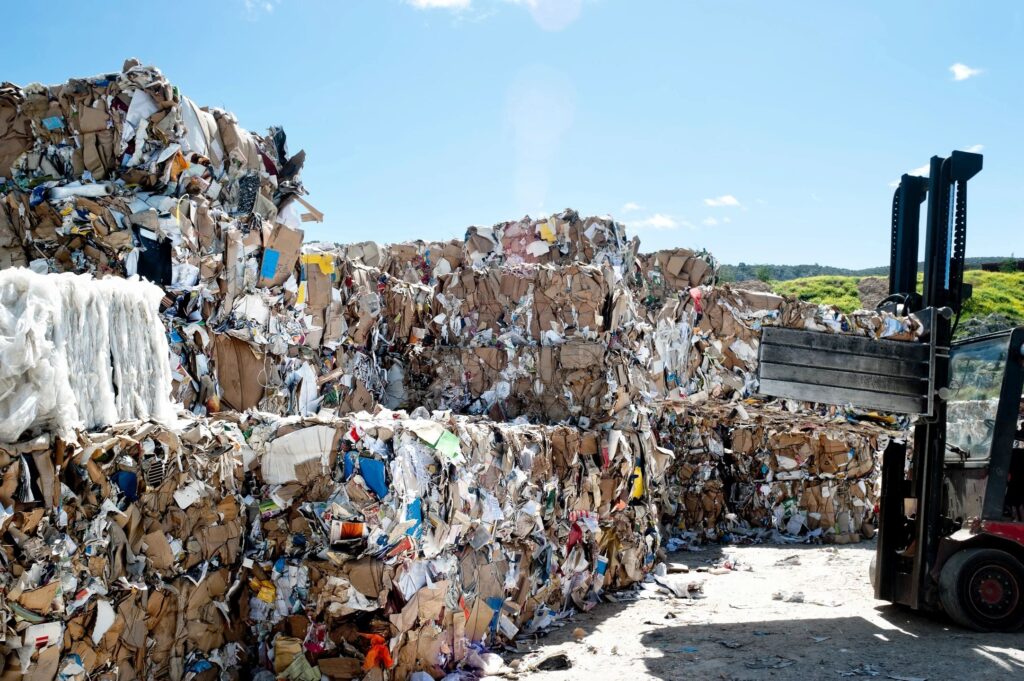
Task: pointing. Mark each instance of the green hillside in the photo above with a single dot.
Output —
(767, 272)
(840, 291)
(995, 293)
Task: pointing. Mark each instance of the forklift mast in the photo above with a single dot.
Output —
(943, 295)
(945, 238)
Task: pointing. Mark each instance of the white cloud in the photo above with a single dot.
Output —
(710, 222)
(925, 170)
(658, 221)
(726, 220)
(439, 4)
(254, 8)
(549, 15)
(963, 71)
(724, 200)
(552, 15)
(631, 207)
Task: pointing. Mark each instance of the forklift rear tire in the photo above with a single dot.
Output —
(983, 589)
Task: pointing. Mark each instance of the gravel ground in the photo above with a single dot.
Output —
(740, 630)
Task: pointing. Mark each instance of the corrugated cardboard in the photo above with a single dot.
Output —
(280, 253)
(241, 372)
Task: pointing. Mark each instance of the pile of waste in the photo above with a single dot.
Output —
(120, 174)
(753, 472)
(332, 545)
(385, 460)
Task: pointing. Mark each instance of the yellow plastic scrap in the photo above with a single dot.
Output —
(638, 483)
(547, 231)
(324, 260)
(264, 588)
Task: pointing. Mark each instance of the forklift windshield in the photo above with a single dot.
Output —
(975, 382)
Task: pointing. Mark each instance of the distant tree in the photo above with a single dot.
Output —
(763, 273)
(1008, 265)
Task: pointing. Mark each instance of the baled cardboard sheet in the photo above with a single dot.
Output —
(286, 649)
(757, 300)
(157, 550)
(47, 477)
(280, 253)
(236, 141)
(241, 372)
(45, 667)
(581, 355)
(405, 619)
(134, 632)
(479, 621)
(40, 600)
(430, 601)
(318, 287)
(367, 576)
(285, 453)
(340, 668)
(427, 430)
(218, 540)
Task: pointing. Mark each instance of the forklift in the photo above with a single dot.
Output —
(951, 514)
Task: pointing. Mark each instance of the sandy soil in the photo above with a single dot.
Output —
(739, 631)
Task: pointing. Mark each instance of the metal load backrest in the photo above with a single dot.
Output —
(811, 366)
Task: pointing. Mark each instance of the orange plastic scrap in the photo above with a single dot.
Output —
(178, 165)
(379, 655)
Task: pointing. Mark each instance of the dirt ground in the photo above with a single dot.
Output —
(739, 631)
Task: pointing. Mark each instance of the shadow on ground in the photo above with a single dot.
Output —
(912, 646)
(740, 632)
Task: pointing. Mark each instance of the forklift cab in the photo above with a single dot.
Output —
(983, 421)
(979, 566)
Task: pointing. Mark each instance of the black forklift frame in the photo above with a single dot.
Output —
(944, 292)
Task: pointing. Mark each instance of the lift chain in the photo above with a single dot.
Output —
(956, 265)
(893, 245)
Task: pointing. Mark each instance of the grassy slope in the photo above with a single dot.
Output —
(994, 292)
(840, 291)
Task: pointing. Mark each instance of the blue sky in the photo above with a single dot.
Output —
(763, 131)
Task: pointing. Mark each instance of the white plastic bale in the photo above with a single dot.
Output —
(78, 352)
(84, 327)
(34, 385)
